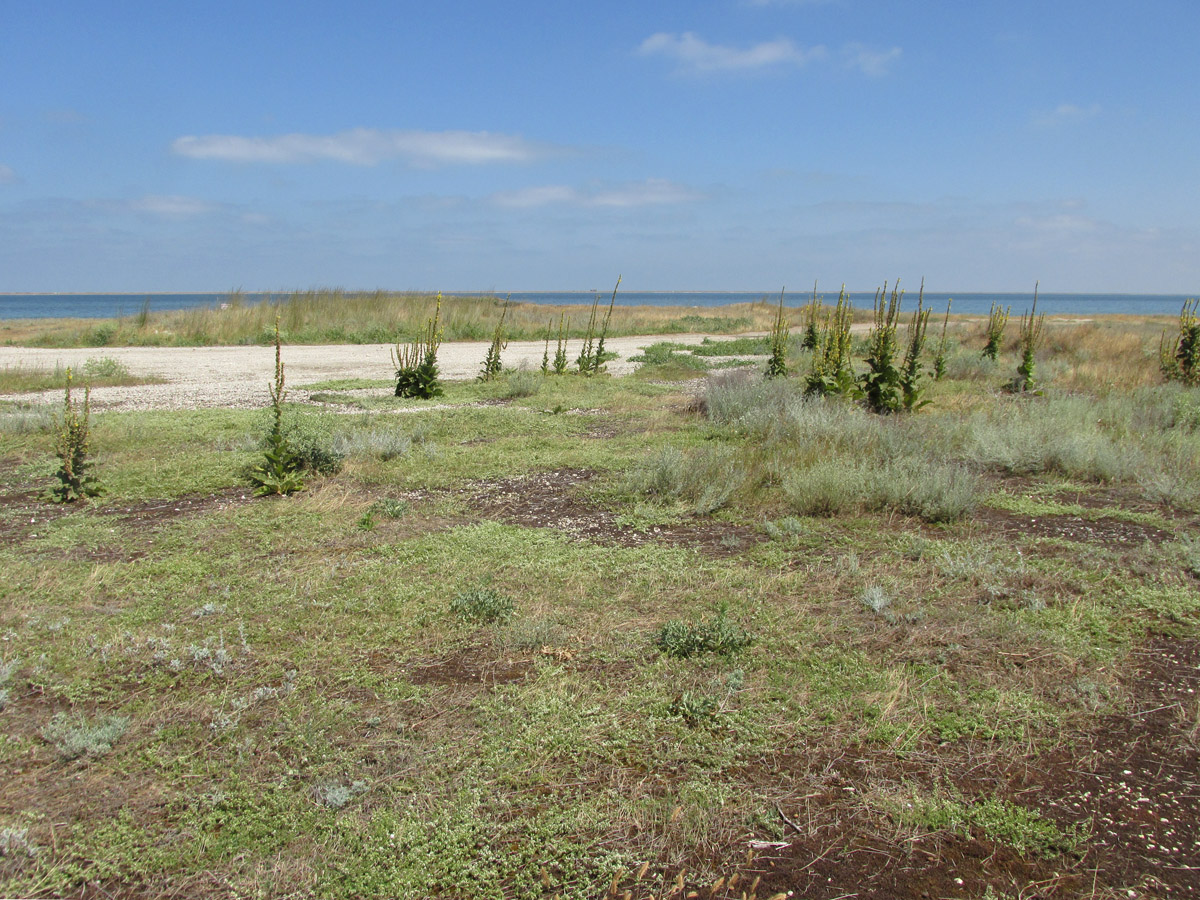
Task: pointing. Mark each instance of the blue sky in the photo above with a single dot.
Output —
(718, 144)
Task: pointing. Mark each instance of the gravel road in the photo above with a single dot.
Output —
(237, 377)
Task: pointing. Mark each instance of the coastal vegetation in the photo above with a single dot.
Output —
(334, 316)
(692, 631)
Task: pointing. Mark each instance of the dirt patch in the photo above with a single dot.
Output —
(155, 513)
(470, 666)
(551, 500)
(1112, 533)
(1129, 787)
(27, 513)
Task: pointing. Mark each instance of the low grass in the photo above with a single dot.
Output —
(590, 638)
(96, 372)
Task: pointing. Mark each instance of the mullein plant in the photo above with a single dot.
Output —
(997, 319)
(546, 352)
(560, 352)
(881, 382)
(939, 358)
(911, 373)
(416, 363)
(1029, 340)
(1180, 361)
(280, 470)
(777, 364)
(491, 362)
(812, 315)
(591, 356)
(72, 444)
(830, 371)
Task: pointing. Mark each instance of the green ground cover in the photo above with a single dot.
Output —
(597, 638)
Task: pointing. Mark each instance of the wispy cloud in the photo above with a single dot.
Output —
(365, 147)
(1066, 114)
(171, 206)
(7, 175)
(64, 116)
(790, 2)
(651, 192)
(694, 54)
(875, 63)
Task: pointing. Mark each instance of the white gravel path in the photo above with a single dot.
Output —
(238, 377)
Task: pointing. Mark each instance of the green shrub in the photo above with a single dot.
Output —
(416, 362)
(280, 469)
(831, 371)
(939, 356)
(827, 488)
(997, 319)
(75, 737)
(482, 604)
(684, 639)
(105, 367)
(71, 446)
(707, 479)
(521, 383)
(1180, 360)
(880, 384)
(777, 364)
(380, 443)
(491, 361)
(694, 708)
(1029, 340)
(592, 356)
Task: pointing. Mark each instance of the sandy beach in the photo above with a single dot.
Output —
(237, 377)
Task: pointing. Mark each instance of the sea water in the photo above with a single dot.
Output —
(105, 306)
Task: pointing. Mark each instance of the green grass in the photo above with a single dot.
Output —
(95, 372)
(529, 646)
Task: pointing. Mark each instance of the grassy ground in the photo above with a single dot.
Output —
(337, 317)
(618, 637)
(98, 372)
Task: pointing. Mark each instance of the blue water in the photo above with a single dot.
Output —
(103, 306)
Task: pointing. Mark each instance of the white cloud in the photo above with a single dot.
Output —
(1066, 114)
(171, 206)
(7, 175)
(695, 54)
(651, 192)
(874, 63)
(364, 147)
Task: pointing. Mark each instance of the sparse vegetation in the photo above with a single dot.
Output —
(598, 641)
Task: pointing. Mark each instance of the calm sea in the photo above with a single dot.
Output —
(104, 306)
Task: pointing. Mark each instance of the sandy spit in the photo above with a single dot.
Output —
(238, 377)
